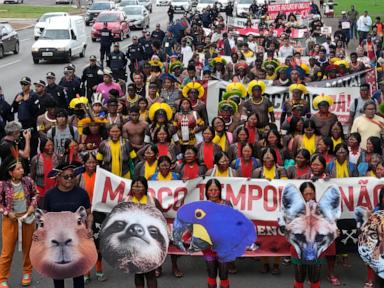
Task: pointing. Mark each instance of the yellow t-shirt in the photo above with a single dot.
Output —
(309, 143)
(341, 169)
(115, 156)
(161, 178)
(222, 174)
(143, 200)
(269, 173)
(221, 141)
(149, 170)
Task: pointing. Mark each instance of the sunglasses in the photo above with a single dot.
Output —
(68, 177)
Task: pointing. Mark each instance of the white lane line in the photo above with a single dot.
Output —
(26, 39)
(10, 63)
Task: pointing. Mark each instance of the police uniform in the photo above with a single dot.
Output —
(92, 75)
(135, 55)
(106, 39)
(147, 48)
(71, 86)
(118, 64)
(57, 92)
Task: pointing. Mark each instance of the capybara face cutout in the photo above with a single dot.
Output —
(61, 246)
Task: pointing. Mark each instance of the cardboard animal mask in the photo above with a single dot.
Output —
(61, 247)
(134, 238)
(371, 239)
(227, 230)
(310, 226)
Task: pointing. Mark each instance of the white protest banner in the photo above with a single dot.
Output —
(258, 199)
(277, 95)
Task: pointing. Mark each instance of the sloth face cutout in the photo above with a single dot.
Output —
(134, 238)
(61, 247)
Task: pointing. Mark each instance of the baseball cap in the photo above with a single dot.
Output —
(40, 82)
(92, 57)
(69, 67)
(51, 75)
(26, 80)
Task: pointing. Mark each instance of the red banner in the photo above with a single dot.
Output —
(302, 8)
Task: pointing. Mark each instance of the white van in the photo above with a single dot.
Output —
(62, 38)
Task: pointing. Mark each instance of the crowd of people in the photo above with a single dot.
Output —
(157, 127)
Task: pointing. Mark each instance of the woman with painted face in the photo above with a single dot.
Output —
(340, 167)
(301, 166)
(324, 146)
(41, 165)
(188, 123)
(241, 137)
(274, 142)
(207, 150)
(246, 163)
(190, 168)
(163, 141)
(373, 153)
(138, 194)
(318, 167)
(336, 133)
(222, 138)
(221, 167)
(214, 267)
(148, 166)
(18, 200)
(308, 140)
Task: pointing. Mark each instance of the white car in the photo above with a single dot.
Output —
(137, 16)
(42, 22)
(181, 5)
(242, 7)
(163, 2)
(127, 3)
(203, 4)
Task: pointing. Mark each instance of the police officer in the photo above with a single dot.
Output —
(106, 39)
(118, 63)
(146, 44)
(70, 82)
(92, 76)
(56, 91)
(135, 55)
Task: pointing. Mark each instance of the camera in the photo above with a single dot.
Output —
(28, 129)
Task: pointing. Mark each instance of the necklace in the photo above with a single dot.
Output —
(257, 103)
(130, 100)
(16, 184)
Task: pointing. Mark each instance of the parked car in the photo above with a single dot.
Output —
(117, 23)
(203, 4)
(42, 22)
(163, 2)
(9, 39)
(95, 9)
(13, 1)
(147, 4)
(242, 7)
(137, 16)
(127, 3)
(181, 5)
(62, 38)
(64, 2)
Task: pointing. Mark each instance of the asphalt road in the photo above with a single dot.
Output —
(14, 67)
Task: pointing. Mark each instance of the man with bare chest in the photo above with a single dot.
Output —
(134, 129)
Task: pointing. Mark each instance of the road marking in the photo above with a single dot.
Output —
(26, 39)
(10, 63)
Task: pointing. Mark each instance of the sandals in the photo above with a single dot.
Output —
(101, 277)
(177, 273)
(27, 280)
(334, 280)
(369, 285)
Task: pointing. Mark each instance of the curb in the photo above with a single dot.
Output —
(24, 28)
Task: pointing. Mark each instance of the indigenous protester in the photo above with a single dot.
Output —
(269, 96)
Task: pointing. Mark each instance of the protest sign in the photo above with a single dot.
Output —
(302, 8)
(258, 199)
